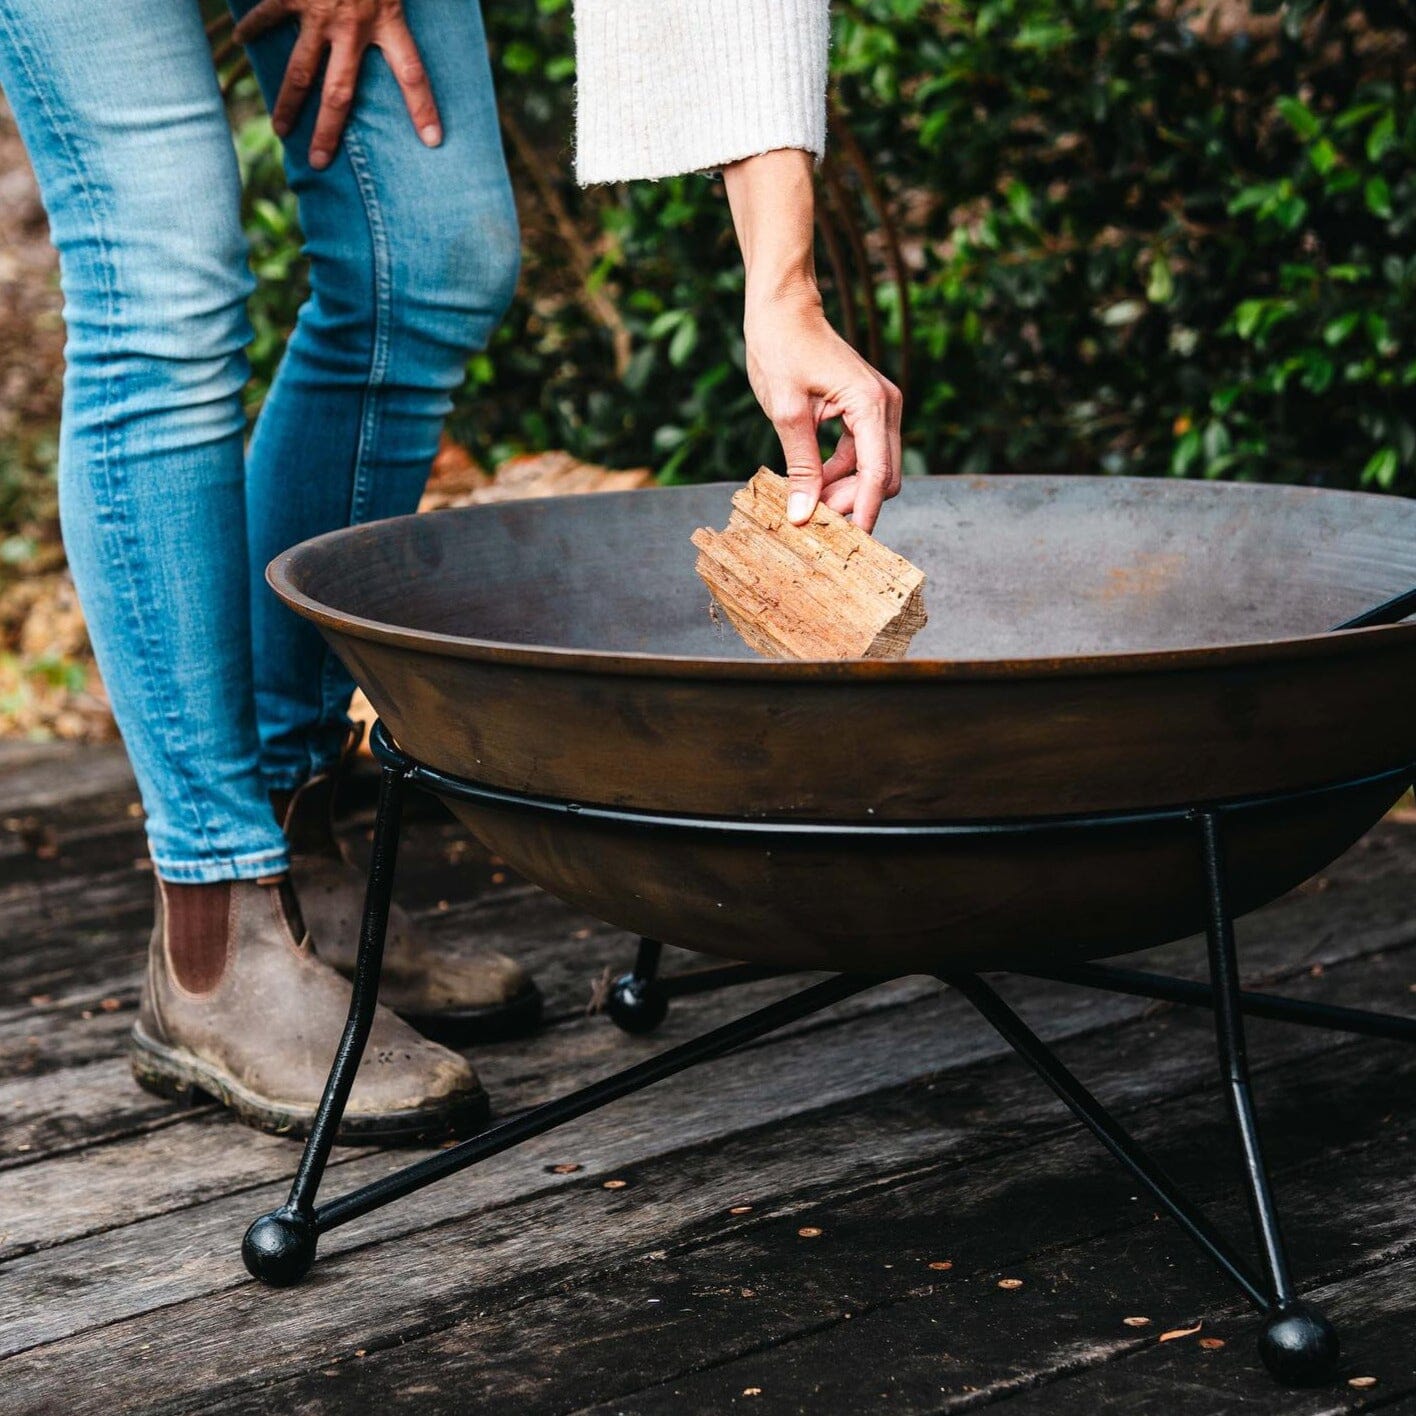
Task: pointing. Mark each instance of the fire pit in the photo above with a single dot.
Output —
(1127, 721)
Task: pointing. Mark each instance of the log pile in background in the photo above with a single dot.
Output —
(458, 479)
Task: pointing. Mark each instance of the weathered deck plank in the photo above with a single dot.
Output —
(60, 780)
(992, 1213)
(856, 1318)
(891, 1124)
(1130, 1067)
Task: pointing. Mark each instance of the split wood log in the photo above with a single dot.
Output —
(825, 590)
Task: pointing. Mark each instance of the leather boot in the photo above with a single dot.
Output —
(261, 1034)
(450, 992)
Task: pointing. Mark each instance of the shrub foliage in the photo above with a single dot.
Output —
(1141, 239)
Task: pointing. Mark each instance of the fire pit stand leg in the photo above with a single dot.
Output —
(1298, 1344)
(638, 1001)
(1307, 1360)
(280, 1246)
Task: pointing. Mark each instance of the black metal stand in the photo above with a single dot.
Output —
(1297, 1343)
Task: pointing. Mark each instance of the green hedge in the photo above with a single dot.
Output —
(1139, 243)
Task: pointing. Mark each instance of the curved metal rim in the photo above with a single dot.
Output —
(647, 665)
(498, 798)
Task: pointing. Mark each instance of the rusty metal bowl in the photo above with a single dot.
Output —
(1097, 647)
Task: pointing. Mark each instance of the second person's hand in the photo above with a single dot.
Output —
(342, 30)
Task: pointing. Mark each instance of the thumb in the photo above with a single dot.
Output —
(804, 475)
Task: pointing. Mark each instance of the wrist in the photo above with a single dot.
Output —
(772, 201)
(789, 295)
(793, 294)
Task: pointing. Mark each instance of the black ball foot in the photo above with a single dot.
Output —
(280, 1247)
(636, 1005)
(1299, 1346)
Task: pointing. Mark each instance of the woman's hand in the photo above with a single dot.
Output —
(803, 373)
(801, 370)
(343, 29)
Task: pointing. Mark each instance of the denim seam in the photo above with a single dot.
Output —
(378, 364)
(120, 523)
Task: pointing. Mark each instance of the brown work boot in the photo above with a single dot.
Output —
(236, 1005)
(444, 989)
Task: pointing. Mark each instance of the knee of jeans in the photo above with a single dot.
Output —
(453, 278)
(157, 328)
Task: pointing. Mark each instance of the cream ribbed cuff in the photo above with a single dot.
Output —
(669, 86)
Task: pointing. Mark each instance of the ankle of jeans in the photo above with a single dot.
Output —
(212, 872)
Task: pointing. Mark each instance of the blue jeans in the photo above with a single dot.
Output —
(222, 695)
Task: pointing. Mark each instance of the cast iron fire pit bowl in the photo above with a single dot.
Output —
(1094, 645)
(1129, 719)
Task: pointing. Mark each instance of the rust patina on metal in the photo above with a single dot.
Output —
(1095, 645)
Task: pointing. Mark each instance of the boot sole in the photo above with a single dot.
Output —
(179, 1075)
(465, 1027)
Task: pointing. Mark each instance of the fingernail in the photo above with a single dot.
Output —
(800, 505)
(431, 134)
(282, 128)
(319, 159)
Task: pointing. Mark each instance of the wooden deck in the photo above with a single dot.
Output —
(894, 1125)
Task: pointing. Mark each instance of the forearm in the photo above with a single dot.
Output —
(773, 207)
(739, 86)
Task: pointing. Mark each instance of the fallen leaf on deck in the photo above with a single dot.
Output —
(1180, 1332)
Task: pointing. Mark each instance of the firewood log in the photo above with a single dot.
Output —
(825, 590)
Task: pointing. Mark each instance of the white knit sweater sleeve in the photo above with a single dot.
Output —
(669, 86)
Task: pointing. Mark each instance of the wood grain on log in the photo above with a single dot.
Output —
(825, 590)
